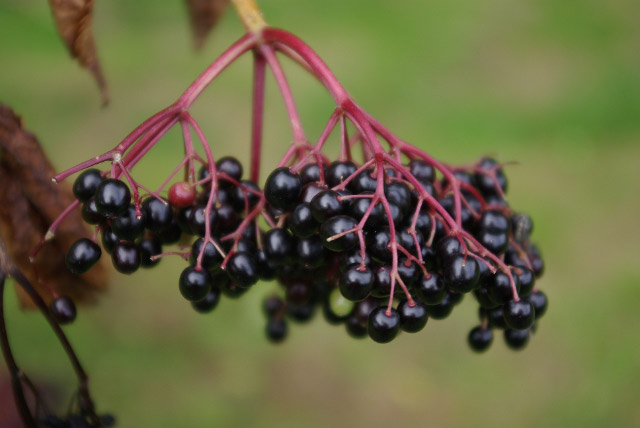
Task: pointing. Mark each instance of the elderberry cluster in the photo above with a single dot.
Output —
(327, 247)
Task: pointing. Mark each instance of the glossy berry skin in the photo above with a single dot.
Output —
(283, 188)
(363, 183)
(86, 184)
(109, 239)
(242, 269)
(194, 284)
(272, 306)
(480, 339)
(243, 198)
(182, 194)
(516, 339)
(447, 248)
(500, 289)
(149, 247)
(63, 309)
(301, 222)
(197, 222)
(355, 328)
(171, 234)
(301, 313)
(497, 243)
(209, 302)
(461, 273)
(482, 296)
(310, 173)
(378, 244)
(381, 282)
(383, 328)
(90, 213)
(431, 289)
(211, 258)
(442, 310)
(408, 272)
(335, 226)
(422, 171)
(519, 315)
(310, 252)
(279, 246)
(352, 257)
(230, 166)
(112, 198)
(356, 283)
(126, 257)
(83, 254)
(485, 180)
(412, 318)
(494, 221)
(276, 330)
(128, 226)
(539, 301)
(399, 194)
(527, 281)
(158, 215)
(267, 270)
(496, 317)
(325, 205)
(338, 171)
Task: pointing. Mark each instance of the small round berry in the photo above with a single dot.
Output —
(443, 309)
(494, 221)
(431, 289)
(497, 243)
(182, 194)
(325, 205)
(276, 330)
(158, 214)
(272, 306)
(480, 338)
(230, 166)
(527, 281)
(128, 226)
(461, 273)
(378, 244)
(422, 171)
(267, 270)
(352, 257)
(211, 258)
(412, 318)
(90, 213)
(63, 309)
(283, 188)
(197, 223)
(339, 305)
(301, 222)
(309, 191)
(519, 315)
(209, 302)
(170, 234)
(496, 317)
(149, 247)
(279, 246)
(516, 339)
(183, 219)
(363, 182)
(301, 313)
(299, 292)
(335, 226)
(112, 197)
(126, 257)
(447, 248)
(490, 177)
(500, 288)
(355, 327)
(86, 184)
(408, 272)
(539, 301)
(381, 282)
(383, 328)
(399, 194)
(83, 254)
(194, 284)
(109, 239)
(310, 251)
(356, 283)
(482, 296)
(310, 173)
(338, 171)
(245, 196)
(242, 269)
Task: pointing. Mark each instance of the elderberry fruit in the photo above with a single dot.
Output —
(158, 214)
(276, 330)
(519, 315)
(422, 171)
(90, 213)
(364, 182)
(338, 171)
(461, 273)
(310, 174)
(441, 310)
(356, 283)
(527, 281)
(490, 178)
(128, 226)
(194, 284)
(516, 339)
(242, 269)
(112, 198)
(126, 257)
(86, 184)
(181, 194)
(229, 166)
(381, 282)
(335, 226)
(412, 318)
(209, 302)
(383, 328)
(149, 247)
(431, 289)
(211, 257)
(310, 252)
(197, 222)
(279, 246)
(480, 338)
(63, 309)
(267, 270)
(447, 248)
(83, 254)
(283, 188)
(539, 301)
(109, 239)
(301, 222)
(355, 328)
(500, 288)
(325, 205)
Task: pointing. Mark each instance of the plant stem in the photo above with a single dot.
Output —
(257, 114)
(250, 14)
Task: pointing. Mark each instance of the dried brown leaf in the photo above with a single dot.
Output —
(73, 19)
(29, 203)
(204, 15)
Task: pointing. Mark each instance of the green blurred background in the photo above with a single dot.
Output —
(553, 85)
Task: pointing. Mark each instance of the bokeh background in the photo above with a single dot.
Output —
(552, 85)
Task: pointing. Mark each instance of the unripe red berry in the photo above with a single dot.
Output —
(182, 194)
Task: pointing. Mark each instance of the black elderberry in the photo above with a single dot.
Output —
(408, 272)
(226, 218)
(539, 301)
(325, 205)
(283, 188)
(447, 248)
(399, 194)
(272, 306)
(310, 251)
(170, 234)
(149, 247)
(527, 281)
(299, 292)
(183, 218)
(211, 258)
(496, 317)
(335, 226)
(500, 288)
(279, 246)
(383, 328)
(455, 297)
(480, 339)
(355, 328)
(83, 254)
(230, 166)
(338, 171)
(197, 222)
(491, 177)
(519, 315)
(378, 244)
(352, 257)
(359, 206)
(516, 339)
(243, 198)
(126, 257)
(482, 296)
(356, 283)
(431, 289)
(267, 270)
(381, 282)
(397, 214)
(128, 226)
(448, 203)
(86, 184)
(363, 182)
(301, 221)
(301, 313)
(63, 309)
(497, 243)
(194, 283)
(424, 224)
(112, 198)
(422, 171)
(276, 330)
(209, 302)
(90, 212)
(535, 258)
(408, 241)
(412, 318)
(242, 269)
(441, 310)
(158, 214)
(461, 273)
(310, 173)
(109, 239)
(309, 191)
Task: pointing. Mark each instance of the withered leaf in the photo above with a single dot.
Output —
(73, 19)
(29, 203)
(204, 15)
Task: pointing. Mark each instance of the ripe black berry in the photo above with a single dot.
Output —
(431, 289)
(194, 284)
(491, 177)
(301, 222)
(352, 257)
(337, 225)
(272, 306)
(355, 328)
(412, 318)
(242, 198)
(442, 309)
(158, 214)
(447, 248)
(267, 270)
(310, 251)
(283, 188)
(149, 247)
(519, 315)
(461, 273)
(112, 198)
(381, 282)
(539, 301)
(422, 171)
(211, 258)
(363, 182)
(83, 254)
(338, 171)
(86, 184)
(276, 330)
(90, 212)
(527, 280)
(500, 288)
(231, 167)
(383, 328)
(325, 205)
(378, 244)
(356, 283)
(209, 302)
(242, 269)
(516, 339)
(63, 309)
(279, 246)
(399, 195)
(126, 257)
(109, 239)
(128, 226)
(197, 223)
(480, 338)
(310, 173)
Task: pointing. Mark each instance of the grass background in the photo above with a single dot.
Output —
(553, 85)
